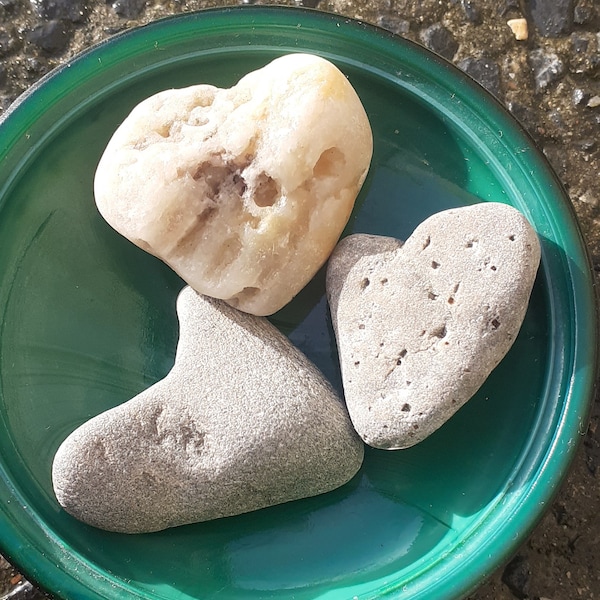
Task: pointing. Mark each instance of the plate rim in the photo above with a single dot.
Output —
(584, 341)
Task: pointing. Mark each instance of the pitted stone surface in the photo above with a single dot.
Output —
(421, 326)
(243, 191)
(243, 421)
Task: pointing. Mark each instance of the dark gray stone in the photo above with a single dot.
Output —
(438, 39)
(483, 70)
(129, 8)
(552, 17)
(508, 6)
(583, 13)
(516, 576)
(547, 68)
(472, 13)
(7, 42)
(526, 117)
(52, 36)
(394, 24)
(579, 43)
(71, 10)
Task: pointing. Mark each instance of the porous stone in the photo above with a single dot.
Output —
(244, 191)
(243, 421)
(421, 326)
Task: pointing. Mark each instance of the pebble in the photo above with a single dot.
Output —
(438, 39)
(232, 188)
(472, 13)
(516, 576)
(552, 18)
(519, 28)
(243, 421)
(420, 327)
(129, 9)
(51, 36)
(594, 102)
(583, 13)
(579, 97)
(71, 10)
(484, 70)
(547, 68)
(394, 24)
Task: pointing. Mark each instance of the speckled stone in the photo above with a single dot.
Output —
(243, 421)
(421, 326)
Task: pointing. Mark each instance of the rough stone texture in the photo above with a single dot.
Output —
(551, 17)
(438, 39)
(547, 68)
(453, 296)
(242, 421)
(563, 553)
(251, 202)
(483, 70)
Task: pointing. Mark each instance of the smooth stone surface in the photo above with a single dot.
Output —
(243, 421)
(244, 192)
(421, 326)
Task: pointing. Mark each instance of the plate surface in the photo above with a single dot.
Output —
(87, 321)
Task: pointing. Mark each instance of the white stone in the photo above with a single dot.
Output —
(243, 421)
(519, 28)
(245, 191)
(421, 326)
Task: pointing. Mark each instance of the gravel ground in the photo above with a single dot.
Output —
(549, 81)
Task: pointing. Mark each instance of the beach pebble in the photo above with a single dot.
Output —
(243, 421)
(420, 326)
(245, 191)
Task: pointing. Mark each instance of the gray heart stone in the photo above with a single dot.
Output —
(420, 327)
(243, 421)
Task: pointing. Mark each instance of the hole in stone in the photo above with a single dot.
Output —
(405, 408)
(266, 191)
(493, 268)
(361, 326)
(330, 163)
(384, 281)
(439, 332)
(365, 283)
(408, 382)
(434, 264)
(512, 238)
(495, 323)
(242, 296)
(432, 296)
(356, 363)
(426, 242)
(415, 426)
(400, 357)
(451, 300)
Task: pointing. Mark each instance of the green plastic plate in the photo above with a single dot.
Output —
(87, 321)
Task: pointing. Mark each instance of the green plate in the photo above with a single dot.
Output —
(87, 321)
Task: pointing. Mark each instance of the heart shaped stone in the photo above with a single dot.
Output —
(243, 421)
(420, 326)
(245, 191)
